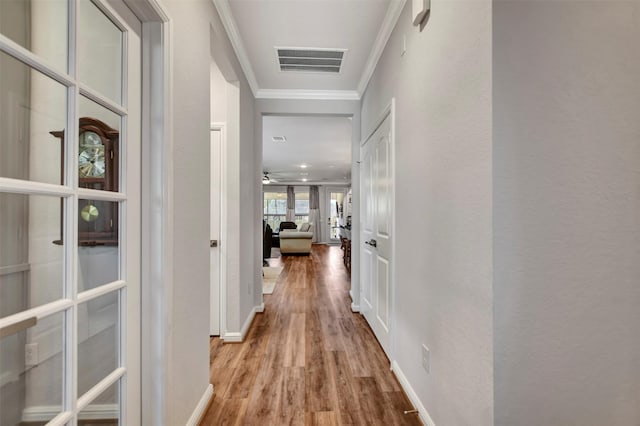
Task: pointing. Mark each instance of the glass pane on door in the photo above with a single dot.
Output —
(336, 214)
(98, 147)
(104, 410)
(31, 372)
(98, 250)
(33, 113)
(98, 340)
(39, 26)
(99, 51)
(31, 254)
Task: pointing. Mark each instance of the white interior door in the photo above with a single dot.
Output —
(70, 140)
(216, 140)
(376, 233)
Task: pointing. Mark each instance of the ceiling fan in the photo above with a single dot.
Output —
(267, 178)
(282, 176)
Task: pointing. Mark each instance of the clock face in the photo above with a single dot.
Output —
(91, 157)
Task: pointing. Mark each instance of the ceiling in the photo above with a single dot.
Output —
(321, 143)
(258, 28)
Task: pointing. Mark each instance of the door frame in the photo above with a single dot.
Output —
(221, 127)
(389, 111)
(157, 208)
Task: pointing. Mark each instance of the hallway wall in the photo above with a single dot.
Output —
(442, 87)
(567, 223)
(188, 320)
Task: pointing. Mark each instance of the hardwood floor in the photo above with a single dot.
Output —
(307, 360)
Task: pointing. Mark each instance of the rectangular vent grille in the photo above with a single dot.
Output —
(329, 61)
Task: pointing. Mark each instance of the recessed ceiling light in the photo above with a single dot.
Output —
(304, 179)
(303, 166)
(279, 139)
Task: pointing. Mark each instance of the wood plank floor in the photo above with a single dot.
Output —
(307, 360)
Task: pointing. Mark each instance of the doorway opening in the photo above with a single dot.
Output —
(224, 154)
(306, 161)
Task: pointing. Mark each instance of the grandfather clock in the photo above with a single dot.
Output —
(98, 151)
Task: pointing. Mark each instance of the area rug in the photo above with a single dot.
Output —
(270, 276)
(275, 253)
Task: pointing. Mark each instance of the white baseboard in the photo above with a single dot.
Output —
(238, 337)
(355, 308)
(413, 397)
(232, 337)
(202, 405)
(44, 413)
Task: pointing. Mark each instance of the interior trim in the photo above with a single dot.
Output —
(239, 336)
(224, 10)
(413, 396)
(332, 95)
(197, 414)
(388, 24)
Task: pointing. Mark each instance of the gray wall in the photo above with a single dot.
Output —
(192, 22)
(188, 327)
(442, 87)
(243, 245)
(567, 223)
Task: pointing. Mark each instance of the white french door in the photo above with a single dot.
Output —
(70, 129)
(376, 233)
(336, 203)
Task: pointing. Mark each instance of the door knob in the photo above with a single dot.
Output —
(372, 243)
(213, 243)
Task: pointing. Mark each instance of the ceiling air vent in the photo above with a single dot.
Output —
(310, 60)
(279, 139)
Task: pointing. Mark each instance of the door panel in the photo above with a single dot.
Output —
(383, 193)
(382, 297)
(367, 193)
(367, 276)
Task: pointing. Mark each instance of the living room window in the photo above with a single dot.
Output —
(275, 208)
(302, 208)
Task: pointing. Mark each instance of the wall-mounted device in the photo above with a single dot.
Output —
(419, 10)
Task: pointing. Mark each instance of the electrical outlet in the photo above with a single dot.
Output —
(31, 354)
(426, 359)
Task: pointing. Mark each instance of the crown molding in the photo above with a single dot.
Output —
(388, 24)
(331, 95)
(224, 10)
